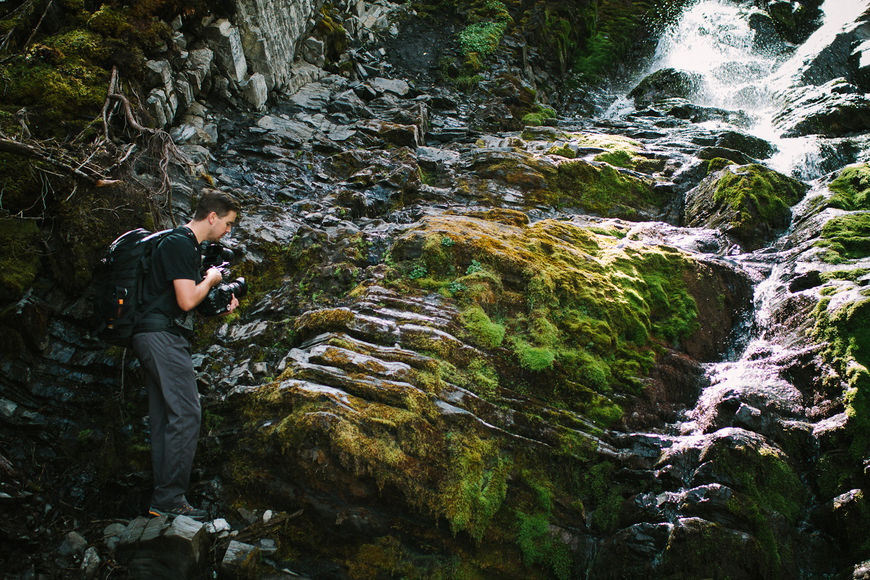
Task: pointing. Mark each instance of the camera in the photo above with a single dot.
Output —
(218, 299)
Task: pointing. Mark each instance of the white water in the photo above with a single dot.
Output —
(713, 38)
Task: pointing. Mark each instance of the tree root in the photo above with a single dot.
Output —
(146, 145)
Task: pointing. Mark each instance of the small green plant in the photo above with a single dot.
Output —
(456, 286)
(418, 271)
(447, 241)
(474, 268)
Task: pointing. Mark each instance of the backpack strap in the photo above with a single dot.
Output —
(183, 231)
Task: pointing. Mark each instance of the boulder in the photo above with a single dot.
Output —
(666, 83)
(749, 144)
(795, 20)
(224, 40)
(255, 90)
(749, 202)
(157, 548)
(834, 109)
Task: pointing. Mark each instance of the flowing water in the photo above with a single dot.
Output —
(713, 39)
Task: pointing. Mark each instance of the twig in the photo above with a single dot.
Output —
(106, 112)
(9, 146)
(38, 24)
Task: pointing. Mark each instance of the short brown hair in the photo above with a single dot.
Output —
(215, 200)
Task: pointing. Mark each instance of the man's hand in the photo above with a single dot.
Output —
(189, 294)
(213, 277)
(234, 303)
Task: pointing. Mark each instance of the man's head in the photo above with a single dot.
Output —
(216, 212)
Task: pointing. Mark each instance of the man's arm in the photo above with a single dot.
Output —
(189, 294)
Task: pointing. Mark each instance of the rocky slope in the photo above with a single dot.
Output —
(487, 335)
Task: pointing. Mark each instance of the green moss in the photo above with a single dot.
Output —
(19, 256)
(851, 188)
(539, 116)
(570, 301)
(534, 358)
(59, 94)
(717, 164)
(539, 546)
(599, 188)
(481, 37)
(484, 332)
(619, 158)
(478, 483)
(611, 28)
(846, 334)
(755, 191)
(846, 237)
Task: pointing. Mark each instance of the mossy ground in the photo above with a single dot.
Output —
(579, 317)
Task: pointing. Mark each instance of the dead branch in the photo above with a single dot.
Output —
(18, 148)
(107, 113)
(38, 24)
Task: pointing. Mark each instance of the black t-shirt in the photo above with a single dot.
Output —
(176, 257)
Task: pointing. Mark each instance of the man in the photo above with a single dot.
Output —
(162, 342)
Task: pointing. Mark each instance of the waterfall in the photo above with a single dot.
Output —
(716, 40)
(741, 71)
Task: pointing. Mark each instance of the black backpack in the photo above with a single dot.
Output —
(120, 285)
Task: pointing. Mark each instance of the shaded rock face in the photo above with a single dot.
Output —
(666, 83)
(834, 109)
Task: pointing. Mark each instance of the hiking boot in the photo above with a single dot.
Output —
(182, 509)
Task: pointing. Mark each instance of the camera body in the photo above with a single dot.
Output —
(219, 297)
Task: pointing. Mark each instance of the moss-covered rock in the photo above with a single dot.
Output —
(851, 188)
(749, 202)
(462, 403)
(846, 237)
(584, 309)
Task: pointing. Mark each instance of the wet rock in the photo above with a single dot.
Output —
(90, 563)
(632, 552)
(73, 544)
(156, 548)
(395, 86)
(795, 21)
(833, 61)
(833, 109)
(696, 544)
(749, 144)
(749, 202)
(240, 560)
(846, 517)
(738, 157)
(393, 133)
(666, 83)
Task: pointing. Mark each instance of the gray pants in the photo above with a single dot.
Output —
(173, 404)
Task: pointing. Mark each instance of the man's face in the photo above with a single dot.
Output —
(220, 226)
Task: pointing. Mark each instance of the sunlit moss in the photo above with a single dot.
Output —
(846, 237)
(569, 300)
(851, 188)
